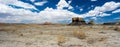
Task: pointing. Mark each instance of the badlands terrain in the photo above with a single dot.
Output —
(36, 35)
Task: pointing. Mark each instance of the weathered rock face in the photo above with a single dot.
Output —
(77, 21)
(91, 22)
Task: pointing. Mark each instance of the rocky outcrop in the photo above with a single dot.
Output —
(91, 22)
(78, 21)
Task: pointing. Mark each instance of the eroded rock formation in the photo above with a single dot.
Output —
(78, 21)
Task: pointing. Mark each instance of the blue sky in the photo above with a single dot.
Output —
(58, 11)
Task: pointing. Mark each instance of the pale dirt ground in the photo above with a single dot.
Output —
(47, 36)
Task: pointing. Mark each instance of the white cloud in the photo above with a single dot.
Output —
(92, 5)
(69, 1)
(25, 5)
(7, 2)
(94, 18)
(63, 3)
(81, 9)
(16, 15)
(93, 0)
(17, 3)
(41, 3)
(32, 0)
(70, 7)
(99, 11)
(116, 11)
(49, 15)
(104, 14)
(109, 6)
(56, 15)
(118, 18)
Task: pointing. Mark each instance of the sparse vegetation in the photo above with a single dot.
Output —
(3, 29)
(36, 35)
(117, 29)
(94, 40)
(102, 39)
(61, 39)
(47, 23)
(91, 41)
(21, 34)
(102, 32)
(79, 34)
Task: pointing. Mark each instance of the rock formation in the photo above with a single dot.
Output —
(78, 21)
(91, 22)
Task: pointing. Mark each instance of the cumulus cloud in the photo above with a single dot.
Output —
(63, 3)
(24, 5)
(47, 15)
(93, 0)
(40, 3)
(116, 11)
(100, 10)
(56, 16)
(109, 6)
(69, 1)
(16, 15)
(81, 9)
(32, 0)
(17, 3)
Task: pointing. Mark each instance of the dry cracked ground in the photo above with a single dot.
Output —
(34, 35)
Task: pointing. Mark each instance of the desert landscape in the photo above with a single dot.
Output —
(59, 35)
(59, 23)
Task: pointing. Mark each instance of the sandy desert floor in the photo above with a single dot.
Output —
(32, 35)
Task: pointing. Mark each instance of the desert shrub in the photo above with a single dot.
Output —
(104, 27)
(28, 43)
(61, 39)
(4, 24)
(79, 34)
(117, 29)
(102, 32)
(21, 34)
(94, 40)
(47, 23)
(91, 41)
(102, 39)
(3, 29)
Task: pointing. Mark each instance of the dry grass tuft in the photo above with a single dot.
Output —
(61, 39)
(94, 40)
(47, 23)
(79, 34)
(28, 43)
(91, 41)
(3, 29)
(102, 32)
(104, 27)
(117, 29)
(4, 24)
(102, 39)
(21, 26)
(21, 34)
